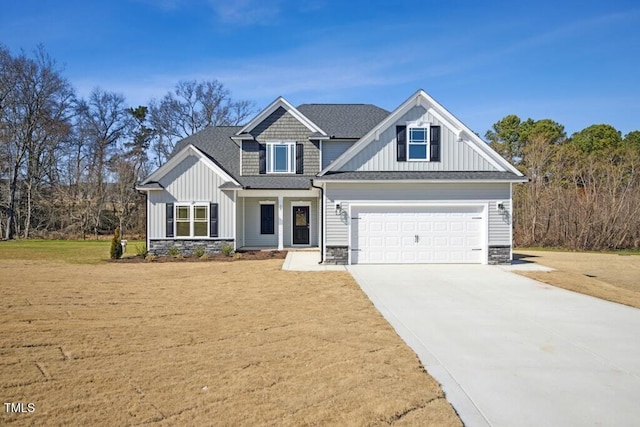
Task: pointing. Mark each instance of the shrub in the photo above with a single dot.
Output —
(198, 252)
(226, 249)
(116, 245)
(173, 251)
(141, 250)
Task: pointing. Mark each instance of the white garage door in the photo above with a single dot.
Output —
(434, 234)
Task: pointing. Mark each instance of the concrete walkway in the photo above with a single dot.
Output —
(308, 261)
(512, 351)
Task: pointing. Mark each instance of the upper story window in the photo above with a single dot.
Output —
(418, 143)
(281, 157)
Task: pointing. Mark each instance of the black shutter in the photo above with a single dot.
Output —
(299, 158)
(169, 224)
(213, 220)
(401, 143)
(263, 158)
(435, 143)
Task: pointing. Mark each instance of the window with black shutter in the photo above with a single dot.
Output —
(435, 144)
(213, 220)
(299, 159)
(169, 220)
(267, 219)
(401, 143)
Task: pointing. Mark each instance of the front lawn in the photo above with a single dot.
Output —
(613, 276)
(241, 343)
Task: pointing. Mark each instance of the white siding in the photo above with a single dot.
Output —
(190, 181)
(332, 149)
(380, 155)
(337, 225)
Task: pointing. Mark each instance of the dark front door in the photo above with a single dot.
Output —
(301, 225)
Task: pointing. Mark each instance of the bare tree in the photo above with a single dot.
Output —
(189, 108)
(35, 117)
(103, 124)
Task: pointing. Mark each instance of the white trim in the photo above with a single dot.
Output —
(511, 221)
(452, 203)
(183, 154)
(244, 221)
(308, 204)
(266, 202)
(419, 124)
(291, 152)
(149, 223)
(320, 156)
(235, 214)
(280, 223)
(241, 151)
(423, 99)
(192, 220)
(416, 181)
(281, 102)
(312, 192)
(324, 220)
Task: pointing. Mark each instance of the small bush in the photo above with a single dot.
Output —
(226, 249)
(174, 251)
(198, 252)
(116, 245)
(141, 250)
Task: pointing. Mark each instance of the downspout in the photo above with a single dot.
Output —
(321, 231)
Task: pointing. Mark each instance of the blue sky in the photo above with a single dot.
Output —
(576, 62)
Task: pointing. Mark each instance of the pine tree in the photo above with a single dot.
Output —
(116, 245)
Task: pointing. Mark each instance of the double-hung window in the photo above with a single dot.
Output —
(192, 220)
(281, 157)
(418, 143)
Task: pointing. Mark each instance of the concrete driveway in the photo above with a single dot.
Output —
(512, 351)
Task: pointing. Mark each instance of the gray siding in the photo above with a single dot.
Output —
(381, 155)
(337, 225)
(332, 149)
(190, 181)
(252, 236)
(280, 126)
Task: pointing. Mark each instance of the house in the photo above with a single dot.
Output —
(362, 184)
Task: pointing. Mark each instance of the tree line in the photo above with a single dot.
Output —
(69, 165)
(584, 190)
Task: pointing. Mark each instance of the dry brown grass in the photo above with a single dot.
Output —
(203, 344)
(611, 276)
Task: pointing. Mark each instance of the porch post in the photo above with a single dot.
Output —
(280, 223)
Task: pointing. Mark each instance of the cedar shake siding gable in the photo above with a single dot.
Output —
(280, 126)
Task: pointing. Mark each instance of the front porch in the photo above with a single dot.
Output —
(277, 219)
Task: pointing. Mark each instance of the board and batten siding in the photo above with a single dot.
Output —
(380, 155)
(190, 181)
(332, 149)
(251, 220)
(337, 228)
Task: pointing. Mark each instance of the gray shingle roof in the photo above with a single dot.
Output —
(390, 176)
(344, 120)
(276, 182)
(216, 142)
